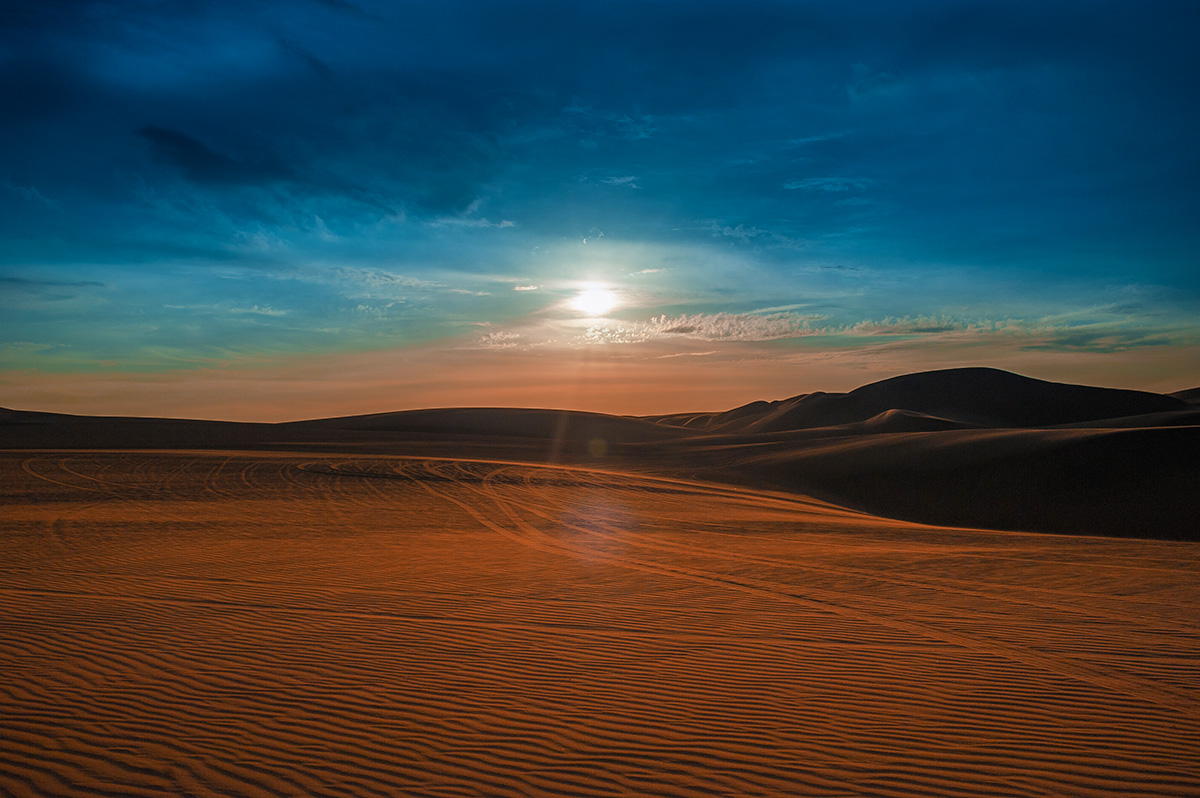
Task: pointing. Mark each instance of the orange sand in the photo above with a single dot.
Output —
(263, 624)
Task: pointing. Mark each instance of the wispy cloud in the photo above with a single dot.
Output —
(914, 325)
(730, 326)
(500, 339)
(35, 284)
(231, 310)
(790, 322)
(687, 354)
(259, 310)
(817, 138)
(461, 221)
(366, 282)
(628, 181)
(534, 333)
(836, 185)
(1099, 341)
(752, 234)
(28, 193)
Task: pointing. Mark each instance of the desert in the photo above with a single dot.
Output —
(773, 601)
(637, 398)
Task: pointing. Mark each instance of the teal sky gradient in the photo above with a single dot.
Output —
(188, 189)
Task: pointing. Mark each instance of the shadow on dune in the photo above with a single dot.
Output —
(1127, 482)
(971, 447)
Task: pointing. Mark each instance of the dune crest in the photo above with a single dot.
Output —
(1189, 395)
(977, 396)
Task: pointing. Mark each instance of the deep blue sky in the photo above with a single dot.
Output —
(202, 188)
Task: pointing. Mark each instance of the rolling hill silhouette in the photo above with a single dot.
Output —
(974, 447)
(975, 396)
(503, 422)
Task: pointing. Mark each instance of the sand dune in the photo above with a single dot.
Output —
(976, 396)
(894, 420)
(1170, 418)
(264, 623)
(1137, 482)
(1190, 395)
(897, 420)
(718, 421)
(914, 447)
(495, 422)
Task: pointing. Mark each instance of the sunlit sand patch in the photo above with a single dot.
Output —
(265, 624)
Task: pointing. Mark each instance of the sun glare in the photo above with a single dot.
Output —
(594, 300)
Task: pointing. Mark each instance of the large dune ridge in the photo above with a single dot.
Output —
(817, 598)
(981, 396)
(972, 446)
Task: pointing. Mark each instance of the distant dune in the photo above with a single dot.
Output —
(1190, 395)
(977, 446)
(976, 396)
(501, 422)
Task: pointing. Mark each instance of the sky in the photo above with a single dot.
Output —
(280, 210)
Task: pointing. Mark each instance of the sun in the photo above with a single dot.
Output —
(594, 300)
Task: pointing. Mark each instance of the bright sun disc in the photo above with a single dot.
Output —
(594, 301)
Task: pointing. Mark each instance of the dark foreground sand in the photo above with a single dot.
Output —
(262, 624)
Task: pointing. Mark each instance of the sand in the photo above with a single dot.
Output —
(972, 447)
(255, 623)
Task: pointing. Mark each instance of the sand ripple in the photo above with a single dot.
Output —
(255, 624)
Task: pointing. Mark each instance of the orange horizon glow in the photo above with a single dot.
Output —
(596, 379)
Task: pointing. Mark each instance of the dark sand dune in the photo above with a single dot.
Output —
(908, 421)
(1190, 395)
(1137, 482)
(891, 421)
(973, 396)
(26, 429)
(1171, 418)
(501, 422)
(717, 421)
(692, 421)
(977, 396)
(1090, 480)
(999, 398)
(914, 447)
(540, 433)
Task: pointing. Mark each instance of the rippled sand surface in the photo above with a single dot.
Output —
(257, 624)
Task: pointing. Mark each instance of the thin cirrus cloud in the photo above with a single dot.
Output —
(1102, 332)
(836, 185)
